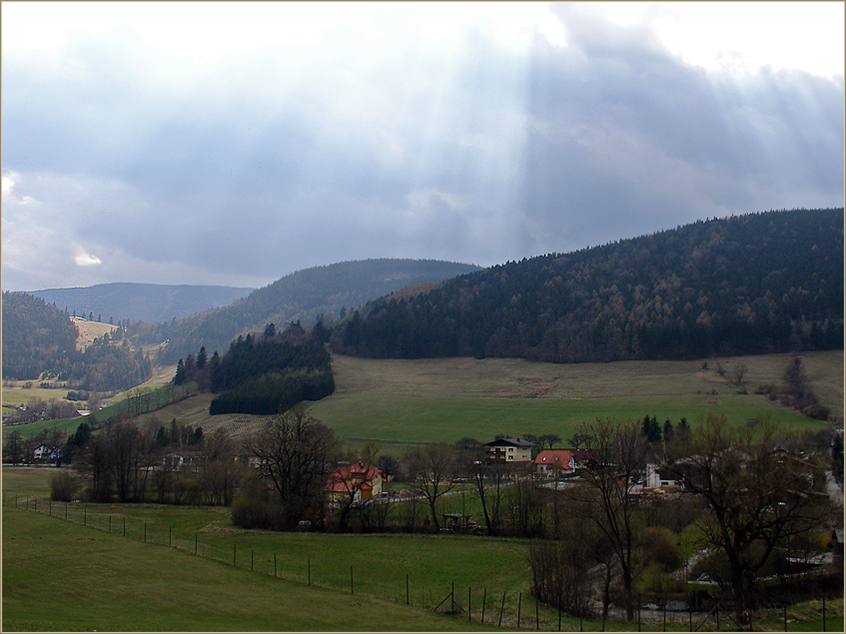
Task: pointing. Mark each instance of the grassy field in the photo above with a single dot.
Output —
(60, 576)
(133, 567)
(399, 403)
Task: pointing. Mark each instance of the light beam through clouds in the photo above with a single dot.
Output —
(233, 143)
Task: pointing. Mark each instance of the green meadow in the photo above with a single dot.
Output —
(150, 567)
(399, 403)
(180, 568)
(61, 576)
(165, 568)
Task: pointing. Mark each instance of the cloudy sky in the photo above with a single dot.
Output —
(235, 143)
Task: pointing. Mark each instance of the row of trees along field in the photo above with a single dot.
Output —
(39, 339)
(263, 375)
(752, 284)
(755, 495)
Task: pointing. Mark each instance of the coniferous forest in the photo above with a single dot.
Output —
(267, 374)
(753, 284)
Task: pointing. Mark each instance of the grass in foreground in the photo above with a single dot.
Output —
(65, 576)
(62, 576)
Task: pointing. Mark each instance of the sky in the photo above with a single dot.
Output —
(235, 143)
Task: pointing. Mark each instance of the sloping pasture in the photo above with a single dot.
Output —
(61, 576)
(400, 403)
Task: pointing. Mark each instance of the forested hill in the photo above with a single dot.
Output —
(304, 295)
(151, 303)
(41, 338)
(758, 283)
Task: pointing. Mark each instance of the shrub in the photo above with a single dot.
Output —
(817, 411)
(255, 507)
(560, 577)
(63, 486)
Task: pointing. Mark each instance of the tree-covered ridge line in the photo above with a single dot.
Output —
(753, 284)
(327, 291)
(134, 301)
(40, 339)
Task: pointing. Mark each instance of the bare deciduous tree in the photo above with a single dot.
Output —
(435, 466)
(758, 496)
(619, 450)
(296, 453)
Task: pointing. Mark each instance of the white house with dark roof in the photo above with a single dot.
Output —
(509, 450)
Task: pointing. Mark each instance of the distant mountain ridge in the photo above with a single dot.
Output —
(151, 303)
(304, 295)
(752, 284)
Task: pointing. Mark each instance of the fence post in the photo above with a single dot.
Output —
(484, 600)
(195, 543)
(784, 608)
(824, 614)
(452, 597)
(537, 614)
(36, 505)
(469, 597)
(110, 523)
(501, 610)
(519, 608)
(66, 508)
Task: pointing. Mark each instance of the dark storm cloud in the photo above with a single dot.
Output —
(276, 159)
(627, 140)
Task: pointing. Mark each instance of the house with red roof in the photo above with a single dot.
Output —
(553, 462)
(360, 480)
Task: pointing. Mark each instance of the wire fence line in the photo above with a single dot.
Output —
(514, 610)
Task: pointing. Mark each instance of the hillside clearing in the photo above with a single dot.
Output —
(89, 331)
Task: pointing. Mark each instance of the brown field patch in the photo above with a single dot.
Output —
(89, 331)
